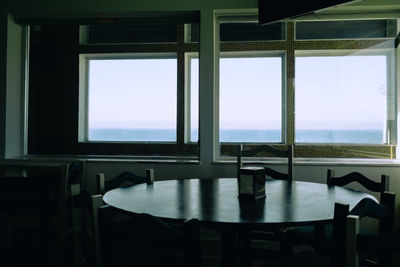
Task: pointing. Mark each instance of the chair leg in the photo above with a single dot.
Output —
(319, 230)
(286, 247)
(3, 234)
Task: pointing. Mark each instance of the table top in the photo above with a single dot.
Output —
(216, 201)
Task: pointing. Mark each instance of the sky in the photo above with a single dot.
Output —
(341, 92)
(132, 93)
(336, 92)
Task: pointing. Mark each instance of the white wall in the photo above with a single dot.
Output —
(15, 82)
(3, 63)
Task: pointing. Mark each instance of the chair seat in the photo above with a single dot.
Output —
(301, 259)
(306, 235)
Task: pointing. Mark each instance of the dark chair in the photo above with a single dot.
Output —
(129, 178)
(274, 234)
(320, 235)
(376, 248)
(86, 230)
(86, 205)
(267, 150)
(367, 183)
(33, 209)
(337, 255)
(383, 245)
(145, 240)
(347, 240)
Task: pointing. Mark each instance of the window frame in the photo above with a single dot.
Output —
(313, 150)
(261, 54)
(84, 89)
(188, 93)
(182, 147)
(390, 105)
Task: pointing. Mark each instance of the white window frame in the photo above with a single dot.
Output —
(83, 132)
(188, 93)
(391, 125)
(261, 54)
(288, 93)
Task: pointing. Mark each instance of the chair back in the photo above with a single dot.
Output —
(86, 230)
(379, 187)
(264, 150)
(382, 245)
(103, 185)
(338, 253)
(147, 240)
(37, 190)
(384, 211)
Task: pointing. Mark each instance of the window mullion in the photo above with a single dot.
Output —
(289, 109)
(180, 112)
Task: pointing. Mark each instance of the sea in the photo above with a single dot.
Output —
(240, 135)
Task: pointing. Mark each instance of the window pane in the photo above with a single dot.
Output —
(138, 33)
(194, 99)
(126, 102)
(251, 32)
(346, 29)
(341, 99)
(250, 99)
(193, 33)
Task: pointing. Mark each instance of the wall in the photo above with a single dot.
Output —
(3, 62)
(15, 81)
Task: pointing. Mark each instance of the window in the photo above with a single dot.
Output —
(341, 99)
(331, 92)
(144, 91)
(345, 29)
(126, 103)
(115, 87)
(250, 107)
(275, 84)
(251, 31)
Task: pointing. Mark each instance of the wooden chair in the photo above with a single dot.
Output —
(37, 194)
(145, 240)
(268, 150)
(320, 235)
(382, 245)
(373, 244)
(87, 204)
(337, 255)
(86, 236)
(104, 185)
(275, 234)
(367, 183)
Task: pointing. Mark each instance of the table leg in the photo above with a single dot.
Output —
(244, 252)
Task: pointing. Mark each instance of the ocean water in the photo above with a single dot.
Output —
(236, 135)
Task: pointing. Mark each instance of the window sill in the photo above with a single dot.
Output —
(108, 158)
(320, 162)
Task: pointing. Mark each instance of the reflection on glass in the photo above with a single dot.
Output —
(194, 99)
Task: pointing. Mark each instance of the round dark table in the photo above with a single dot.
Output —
(215, 202)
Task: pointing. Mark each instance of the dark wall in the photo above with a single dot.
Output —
(53, 89)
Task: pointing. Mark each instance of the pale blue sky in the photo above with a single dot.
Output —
(132, 93)
(347, 92)
(331, 93)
